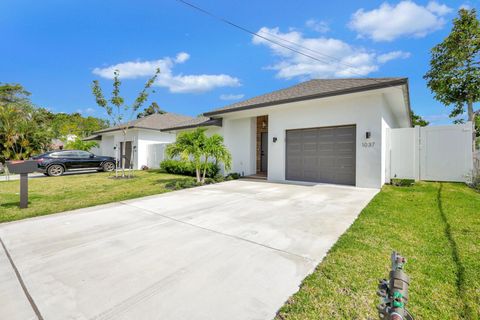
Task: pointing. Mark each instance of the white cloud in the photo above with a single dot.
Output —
(405, 19)
(176, 83)
(86, 111)
(182, 57)
(319, 26)
(338, 59)
(439, 9)
(383, 58)
(231, 96)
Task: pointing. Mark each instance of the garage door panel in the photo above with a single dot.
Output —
(322, 155)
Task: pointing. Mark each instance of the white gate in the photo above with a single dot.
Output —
(437, 153)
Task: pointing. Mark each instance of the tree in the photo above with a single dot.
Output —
(117, 110)
(79, 144)
(215, 149)
(24, 129)
(417, 120)
(454, 75)
(64, 124)
(154, 108)
(195, 146)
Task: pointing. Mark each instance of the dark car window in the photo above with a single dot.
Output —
(56, 154)
(64, 154)
(83, 154)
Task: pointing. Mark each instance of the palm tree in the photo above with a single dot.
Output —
(195, 146)
(216, 150)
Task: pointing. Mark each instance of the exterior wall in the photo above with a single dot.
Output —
(240, 139)
(110, 144)
(388, 122)
(106, 146)
(141, 139)
(147, 138)
(363, 110)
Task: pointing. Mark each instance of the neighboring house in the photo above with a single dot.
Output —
(58, 144)
(331, 131)
(145, 141)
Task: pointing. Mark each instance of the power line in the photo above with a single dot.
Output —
(249, 31)
(235, 25)
(208, 13)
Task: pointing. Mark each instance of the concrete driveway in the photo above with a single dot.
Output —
(235, 250)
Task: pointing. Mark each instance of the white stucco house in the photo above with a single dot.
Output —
(331, 131)
(145, 140)
(327, 131)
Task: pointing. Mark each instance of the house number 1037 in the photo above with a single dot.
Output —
(368, 144)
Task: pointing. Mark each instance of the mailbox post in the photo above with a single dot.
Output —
(23, 167)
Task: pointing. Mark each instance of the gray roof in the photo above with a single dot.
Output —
(317, 88)
(93, 137)
(199, 121)
(152, 122)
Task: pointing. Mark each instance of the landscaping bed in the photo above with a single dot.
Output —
(435, 225)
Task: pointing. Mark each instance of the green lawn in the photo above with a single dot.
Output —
(436, 226)
(56, 194)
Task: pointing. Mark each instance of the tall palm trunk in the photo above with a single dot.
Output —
(197, 171)
(205, 170)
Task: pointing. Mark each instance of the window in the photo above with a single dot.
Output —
(83, 154)
(65, 154)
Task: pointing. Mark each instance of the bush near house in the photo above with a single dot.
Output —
(187, 168)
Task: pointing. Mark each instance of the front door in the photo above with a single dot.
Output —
(264, 152)
(128, 154)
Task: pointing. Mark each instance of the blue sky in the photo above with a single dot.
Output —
(56, 48)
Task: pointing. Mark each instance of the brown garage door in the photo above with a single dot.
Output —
(321, 155)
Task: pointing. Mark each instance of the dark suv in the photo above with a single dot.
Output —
(55, 163)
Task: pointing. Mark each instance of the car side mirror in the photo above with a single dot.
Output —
(92, 155)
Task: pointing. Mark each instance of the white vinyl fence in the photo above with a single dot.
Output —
(436, 153)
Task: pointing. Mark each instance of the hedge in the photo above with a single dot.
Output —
(187, 168)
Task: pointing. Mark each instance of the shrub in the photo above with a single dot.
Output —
(232, 176)
(186, 168)
(219, 178)
(403, 182)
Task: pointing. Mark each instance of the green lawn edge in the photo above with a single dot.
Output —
(435, 225)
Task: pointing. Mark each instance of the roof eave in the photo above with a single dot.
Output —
(210, 123)
(397, 82)
(407, 102)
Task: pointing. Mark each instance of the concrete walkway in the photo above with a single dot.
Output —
(235, 250)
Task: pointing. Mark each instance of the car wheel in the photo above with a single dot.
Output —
(55, 170)
(108, 166)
